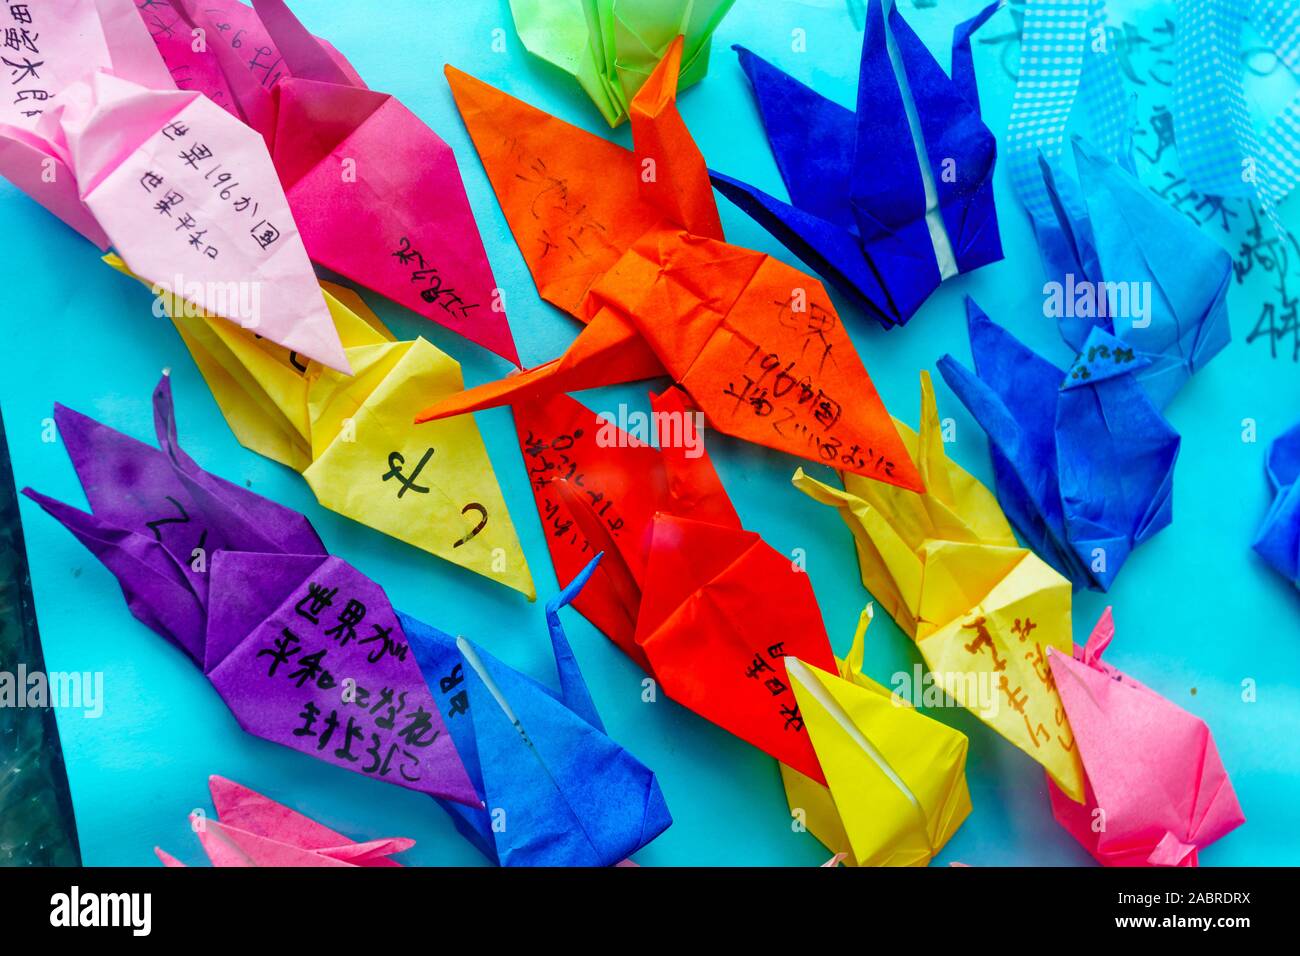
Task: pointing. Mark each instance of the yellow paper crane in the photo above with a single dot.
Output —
(897, 778)
(982, 610)
(352, 437)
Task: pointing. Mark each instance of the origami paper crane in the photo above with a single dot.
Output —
(1223, 147)
(573, 456)
(640, 257)
(189, 198)
(242, 586)
(708, 609)
(308, 652)
(253, 830)
(1157, 790)
(195, 66)
(377, 194)
(612, 46)
(351, 436)
(1278, 541)
(60, 46)
(1087, 478)
(982, 610)
(888, 202)
(556, 789)
(1120, 259)
(896, 779)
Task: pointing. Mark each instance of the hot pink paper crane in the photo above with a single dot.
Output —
(1157, 791)
(253, 830)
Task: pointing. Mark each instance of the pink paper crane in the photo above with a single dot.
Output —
(1157, 791)
(253, 830)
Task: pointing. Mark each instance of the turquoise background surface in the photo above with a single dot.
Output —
(1197, 613)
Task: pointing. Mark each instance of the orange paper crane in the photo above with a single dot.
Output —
(630, 243)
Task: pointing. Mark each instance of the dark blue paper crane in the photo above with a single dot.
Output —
(1084, 461)
(889, 201)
